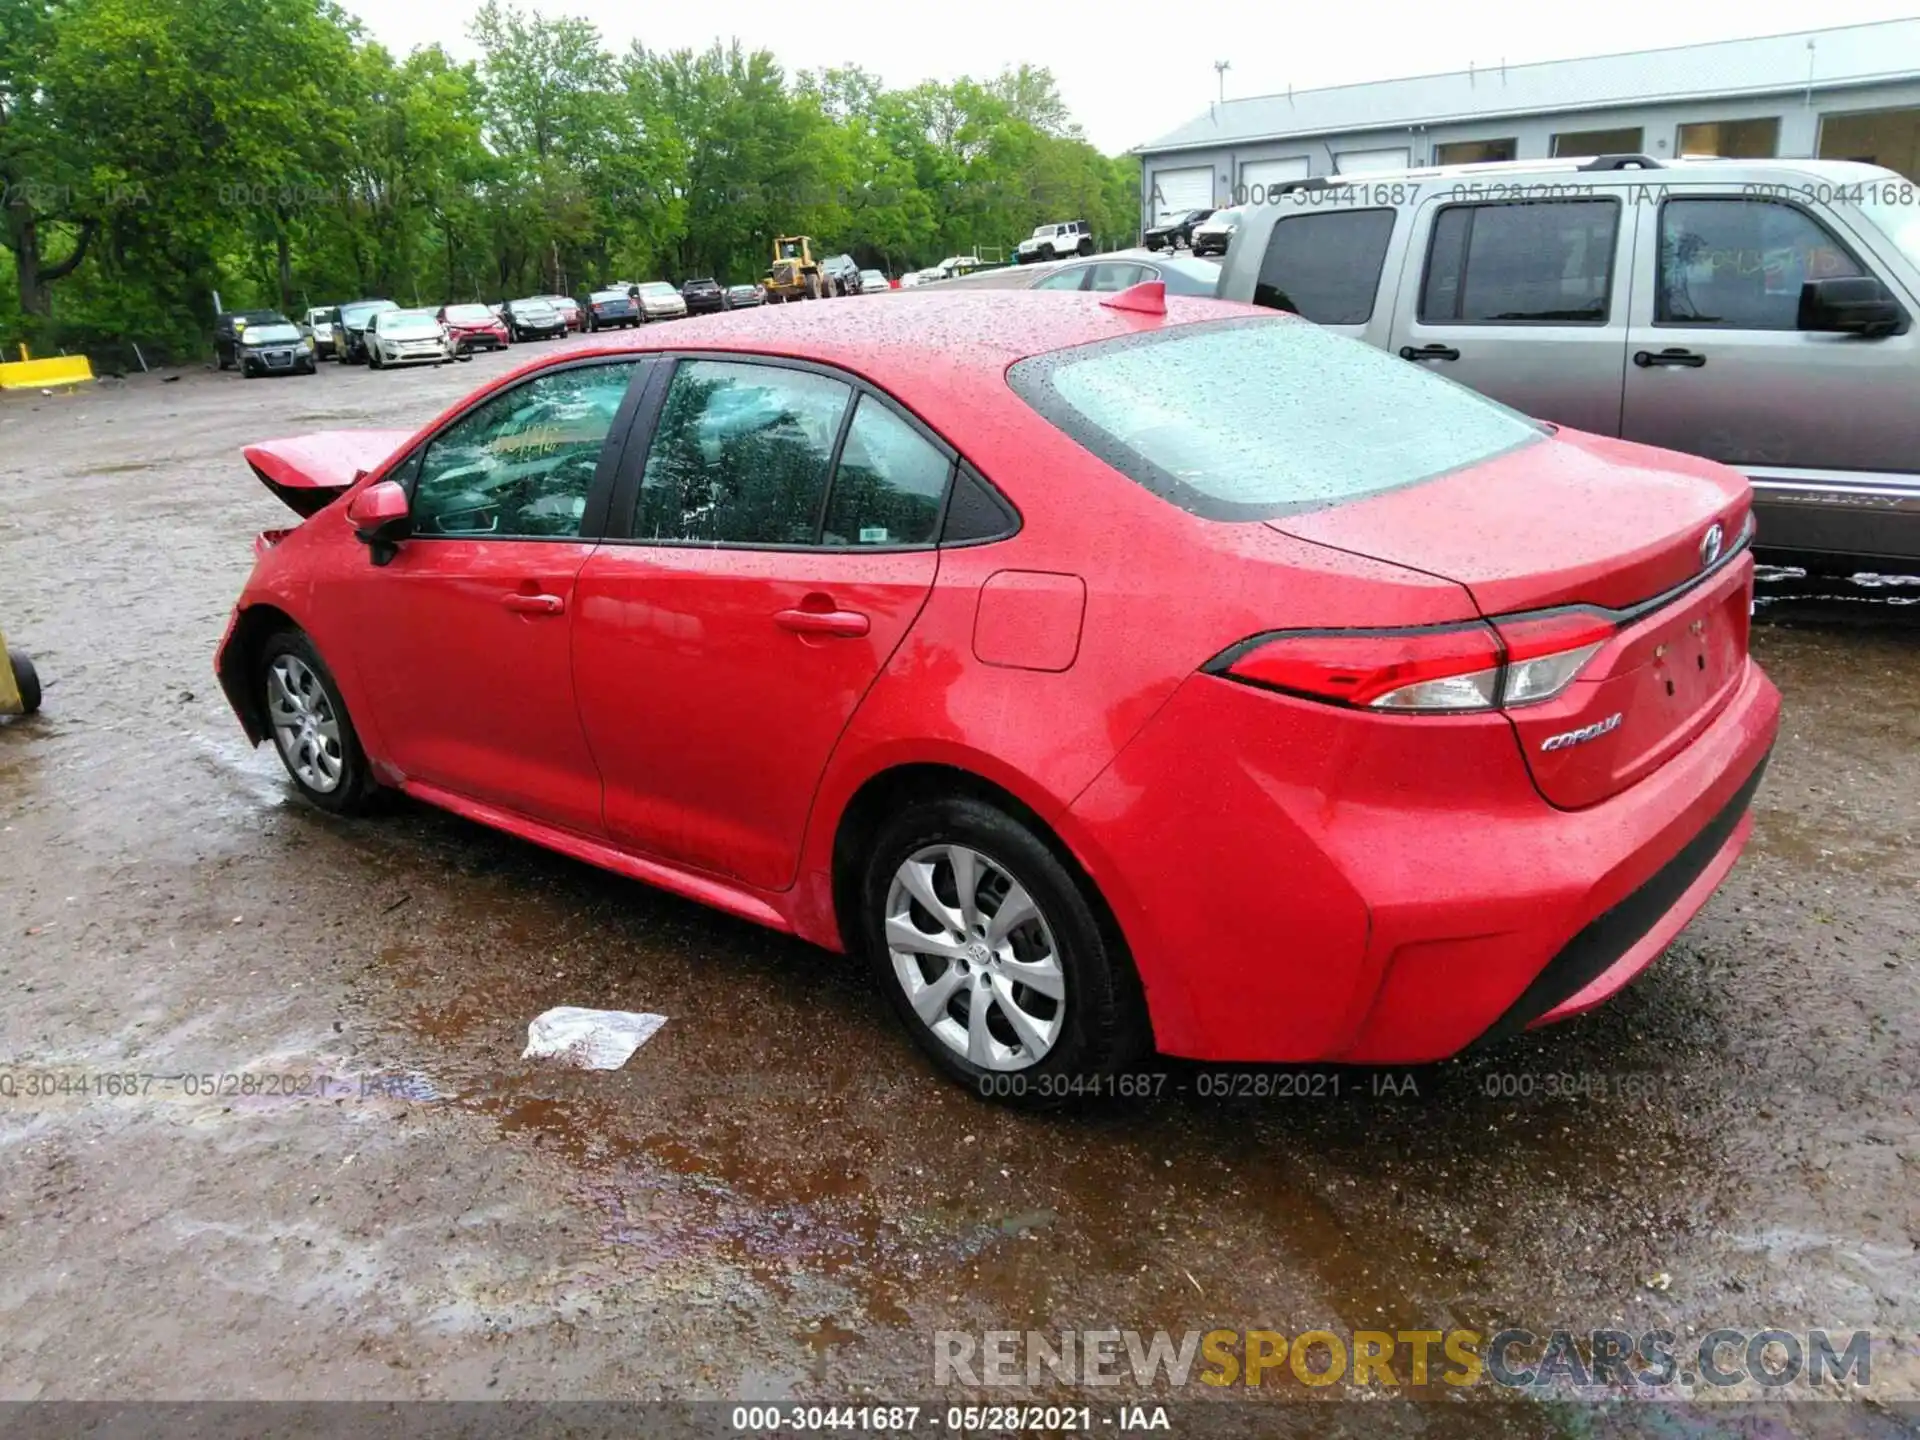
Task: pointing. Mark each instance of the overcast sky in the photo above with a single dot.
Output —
(1131, 73)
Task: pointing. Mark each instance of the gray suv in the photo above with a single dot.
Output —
(1759, 313)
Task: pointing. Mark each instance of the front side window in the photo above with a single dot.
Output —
(889, 485)
(521, 464)
(1072, 278)
(1740, 263)
(1251, 419)
(1546, 262)
(1325, 267)
(741, 455)
(1894, 208)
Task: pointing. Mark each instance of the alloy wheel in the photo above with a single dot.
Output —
(976, 957)
(306, 726)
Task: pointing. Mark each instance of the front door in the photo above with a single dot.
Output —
(777, 548)
(1525, 301)
(466, 634)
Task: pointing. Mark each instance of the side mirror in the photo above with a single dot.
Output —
(380, 519)
(1854, 305)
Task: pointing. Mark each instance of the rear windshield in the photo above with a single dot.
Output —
(1249, 419)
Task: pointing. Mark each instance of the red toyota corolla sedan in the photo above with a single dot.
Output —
(1112, 673)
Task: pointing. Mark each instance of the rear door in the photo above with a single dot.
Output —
(762, 565)
(1523, 300)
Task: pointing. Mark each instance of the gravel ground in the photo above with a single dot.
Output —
(775, 1198)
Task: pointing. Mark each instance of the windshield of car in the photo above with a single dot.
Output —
(703, 285)
(1250, 419)
(531, 307)
(469, 314)
(319, 316)
(362, 310)
(1040, 232)
(658, 287)
(1222, 218)
(1894, 208)
(411, 322)
(271, 332)
(601, 297)
(872, 275)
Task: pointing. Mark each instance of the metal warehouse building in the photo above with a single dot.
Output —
(1850, 93)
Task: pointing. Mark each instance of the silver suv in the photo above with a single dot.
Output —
(1759, 313)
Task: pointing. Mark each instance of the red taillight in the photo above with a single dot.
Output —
(1451, 668)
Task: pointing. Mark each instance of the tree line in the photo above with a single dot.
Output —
(154, 153)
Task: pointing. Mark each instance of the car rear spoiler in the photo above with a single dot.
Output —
(308, 472)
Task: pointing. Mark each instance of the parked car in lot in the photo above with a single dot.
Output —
(1118, 270)
(874, 282)
(569, 309)
(474, 327)
(611, 309)
(976, 634)
(317, 326)
(704, 296)
(745, 297)
(1759, 313)
(275, 347)
(533, 319)
(228, 328)
(1175, 231)
(1213, 234)
(350, 323)
(842, 274)
(407, 337)
(1055, 242)
(660, 301)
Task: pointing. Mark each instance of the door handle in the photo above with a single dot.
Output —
(1429, 352)
(849, 623)
(1646, 359)
(535, 604)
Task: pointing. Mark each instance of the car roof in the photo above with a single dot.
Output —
(1200, 272)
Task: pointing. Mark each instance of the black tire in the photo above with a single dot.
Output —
(1104, 1026)
(1085, 247)
(26, 680)
(356, 787)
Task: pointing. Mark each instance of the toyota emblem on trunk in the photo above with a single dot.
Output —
(1710, 545)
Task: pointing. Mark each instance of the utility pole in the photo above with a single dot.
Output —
(1220, 68)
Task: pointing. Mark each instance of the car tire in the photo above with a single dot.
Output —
(373, 359)
(1096, 1026)
(26, 680)
(1085, 247)
(318, 745)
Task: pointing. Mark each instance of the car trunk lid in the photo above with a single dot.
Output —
(308, 472)
(1649, 541)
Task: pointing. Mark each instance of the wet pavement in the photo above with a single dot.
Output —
(775, 1197)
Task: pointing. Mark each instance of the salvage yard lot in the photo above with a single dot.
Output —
(776, 1196)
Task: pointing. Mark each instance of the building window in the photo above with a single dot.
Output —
(1370, 162)
(1475, 152)
(1326, 267)
(1876, 137)
(1598, 142)
(1528, 263)
(1731, 139)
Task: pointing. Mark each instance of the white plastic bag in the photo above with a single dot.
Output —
(589, 1039)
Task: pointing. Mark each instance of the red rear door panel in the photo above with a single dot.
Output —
(710, 716)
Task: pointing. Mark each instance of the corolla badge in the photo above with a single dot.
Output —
(1583, 734)
(1710, 544)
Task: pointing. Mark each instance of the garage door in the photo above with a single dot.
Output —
(1177, 191)
(1257, 177)
(1368, 162)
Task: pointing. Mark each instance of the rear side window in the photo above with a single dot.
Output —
(889, 485)
(1547, 262)
(1326, 267)
(1255, 418)
(741, 455)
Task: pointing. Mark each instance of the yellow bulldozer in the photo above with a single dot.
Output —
(19, 683)
(795, 274)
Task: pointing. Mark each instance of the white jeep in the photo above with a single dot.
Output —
(1055, 242)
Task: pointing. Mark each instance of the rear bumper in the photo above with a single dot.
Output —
(1359, 890)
